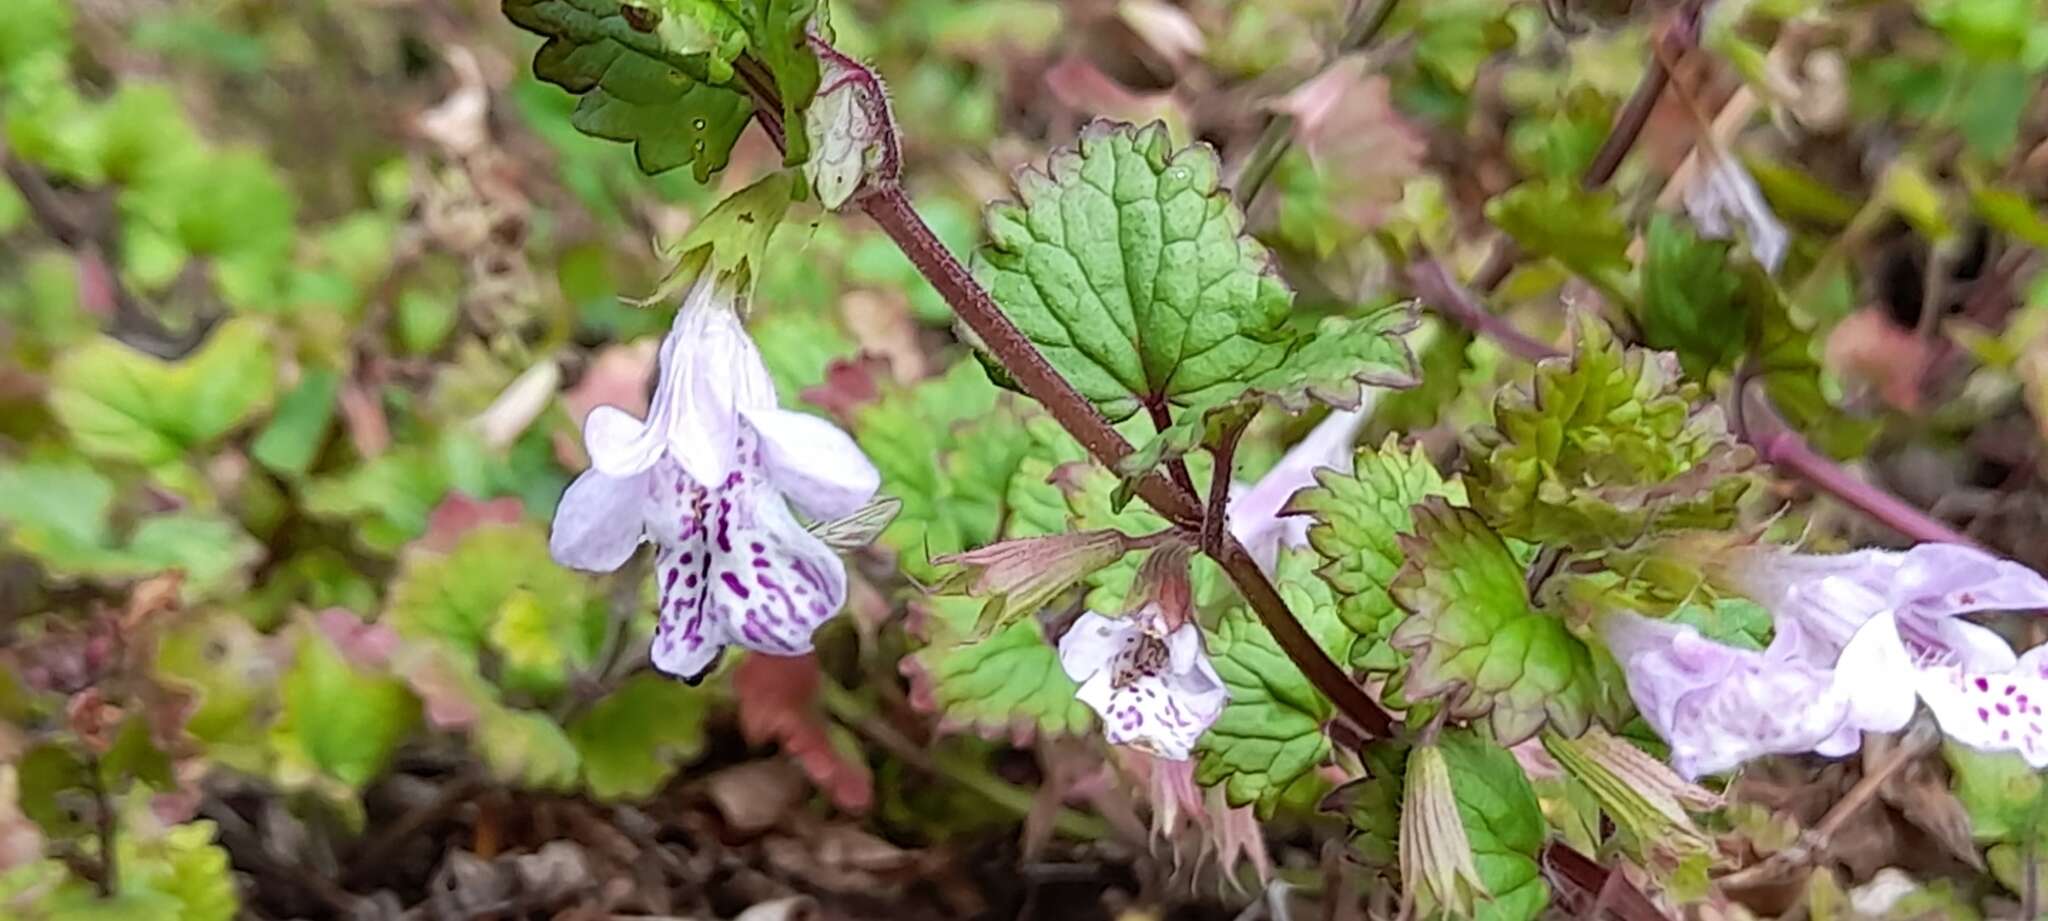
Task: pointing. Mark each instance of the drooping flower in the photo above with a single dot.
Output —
(1254, 512)
(1859, 638)
(1153, 686)
(708, 478)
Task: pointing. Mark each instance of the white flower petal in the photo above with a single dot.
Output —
(1944, 580)
(598, 522)
(687, 642)
(1976, 649)
(1090, 644)
(1997, 711)
(1184, 648)
(1826, 612)
(619, 444)
(1874, 667)
(820, 468)
(1161, 712)
(1143, 700)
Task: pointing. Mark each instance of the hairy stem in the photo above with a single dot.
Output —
(1621, 138)
(1216, 519)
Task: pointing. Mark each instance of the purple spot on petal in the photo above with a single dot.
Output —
(733, 582)
(1983, 684)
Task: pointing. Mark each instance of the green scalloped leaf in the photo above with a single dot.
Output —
(947, 447)
(527, 748)
(661, 75)
(58, 513)
(1126, 263)
(1605, 447)
(1359, 517)
(1270, 736)
(343, 722)
(1581, 229)
(1010, 681)
(1372, 803)
(1476, 641)
(1335, 362)
(1691, 301)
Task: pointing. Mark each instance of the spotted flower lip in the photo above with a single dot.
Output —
(1154, 688)
(1860, 639)
(708, 478)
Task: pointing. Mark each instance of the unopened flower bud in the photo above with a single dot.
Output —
(1020, 576)
(1162, 583)
(1436, 855)
(1647, 799)
(849, 127)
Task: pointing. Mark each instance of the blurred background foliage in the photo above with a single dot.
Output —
(301, 305)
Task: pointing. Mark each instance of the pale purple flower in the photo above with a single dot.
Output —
(1719, 706)
(1153, 686)
(708, 478)
(1858, 639)
(1254, 513)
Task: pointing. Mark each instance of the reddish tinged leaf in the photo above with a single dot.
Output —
(778, 702)
(850, 383)
(459, 514)
(451, 698)
(96, 289)
(364, 645)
